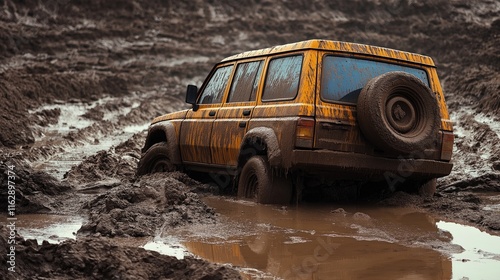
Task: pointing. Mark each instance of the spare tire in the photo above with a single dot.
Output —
(398, 113)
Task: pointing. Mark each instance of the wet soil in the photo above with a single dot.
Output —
(79, 82)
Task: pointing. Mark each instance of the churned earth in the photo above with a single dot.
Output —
(80, 80)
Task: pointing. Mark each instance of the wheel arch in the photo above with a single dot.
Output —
(260, 141)
(164, 132)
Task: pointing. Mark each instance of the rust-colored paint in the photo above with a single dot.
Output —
(228, 132)
(195, 134)
(345, 47)
(180, 115)
(213, 134)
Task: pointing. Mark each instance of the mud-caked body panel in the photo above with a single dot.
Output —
(296, 106)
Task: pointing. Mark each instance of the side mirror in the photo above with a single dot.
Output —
(192, 95)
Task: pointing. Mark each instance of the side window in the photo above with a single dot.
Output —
(245, 82)
(214, 90)
(282, 81)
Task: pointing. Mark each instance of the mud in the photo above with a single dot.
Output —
(79, 82)
(145, 207)
(94, 258)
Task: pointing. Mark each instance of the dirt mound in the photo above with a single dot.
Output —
(142, 208)
(35, 191)
(102, 166)
(93, 258)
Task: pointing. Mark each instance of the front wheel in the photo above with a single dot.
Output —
(257, 182)
(155, 159)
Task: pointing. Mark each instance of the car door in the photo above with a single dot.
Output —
(232, 119)
(196, 129)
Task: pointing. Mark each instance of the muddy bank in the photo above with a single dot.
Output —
(95, 258)
(144, 207)
(34, 191)
(464, 207)
(122, 63)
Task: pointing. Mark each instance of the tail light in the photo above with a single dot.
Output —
(304, 135)
(447, 146)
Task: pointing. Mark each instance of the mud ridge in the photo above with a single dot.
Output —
(97, 258)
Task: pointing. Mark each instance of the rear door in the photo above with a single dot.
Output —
(341, 80)
(232, 119)
(196, 129)
(336, 108)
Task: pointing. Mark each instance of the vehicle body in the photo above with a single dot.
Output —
(273, 118)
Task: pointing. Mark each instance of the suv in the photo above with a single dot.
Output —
(274, 120)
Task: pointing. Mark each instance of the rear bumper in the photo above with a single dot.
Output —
(346, 165)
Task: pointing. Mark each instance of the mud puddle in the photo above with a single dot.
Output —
(58, 228)
(355, 242)
(481, 256)
(52, 228)
(98, 126)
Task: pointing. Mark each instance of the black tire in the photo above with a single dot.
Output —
(423, 188)
(398, 113)
(257, 182)
(428, 188)
(155, 159)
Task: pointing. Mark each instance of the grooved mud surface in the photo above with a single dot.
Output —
(80, 81)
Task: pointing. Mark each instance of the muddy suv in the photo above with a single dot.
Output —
(277, 120)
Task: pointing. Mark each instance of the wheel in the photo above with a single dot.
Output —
(257, 182)
(428, 188)
(423, 188)
(398, 113)
(155, 159)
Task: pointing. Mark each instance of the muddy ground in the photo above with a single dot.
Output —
(79, 81)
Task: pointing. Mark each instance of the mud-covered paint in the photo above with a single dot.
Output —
(196, 132)
(345, 47)
(166, 131)
(268, 137)
(215, 133)
(228, 131)
(180, 115)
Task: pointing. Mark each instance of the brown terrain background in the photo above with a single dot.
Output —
(134, 58)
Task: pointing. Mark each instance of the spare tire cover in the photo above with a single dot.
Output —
(398, 113)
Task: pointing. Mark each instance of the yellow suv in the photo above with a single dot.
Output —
(275, 120)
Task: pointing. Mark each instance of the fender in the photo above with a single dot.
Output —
(164, 132)
(267, 135)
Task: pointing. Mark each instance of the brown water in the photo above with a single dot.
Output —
(314, 242)
(353, 242)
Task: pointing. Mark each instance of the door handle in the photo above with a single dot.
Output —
(212, 113)
(247, 112)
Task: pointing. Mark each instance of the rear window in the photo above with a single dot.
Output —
(344, 77)
(282, 81)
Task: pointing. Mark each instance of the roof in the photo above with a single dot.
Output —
(339, 47)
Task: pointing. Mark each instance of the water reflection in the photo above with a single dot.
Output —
(481, 256)
(53, 228)
(325, 242)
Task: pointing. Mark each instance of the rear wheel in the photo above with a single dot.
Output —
(428, 188)
(423, 188)
(155, 159)
(257, 182)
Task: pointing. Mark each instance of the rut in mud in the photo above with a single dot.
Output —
(79, 83)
